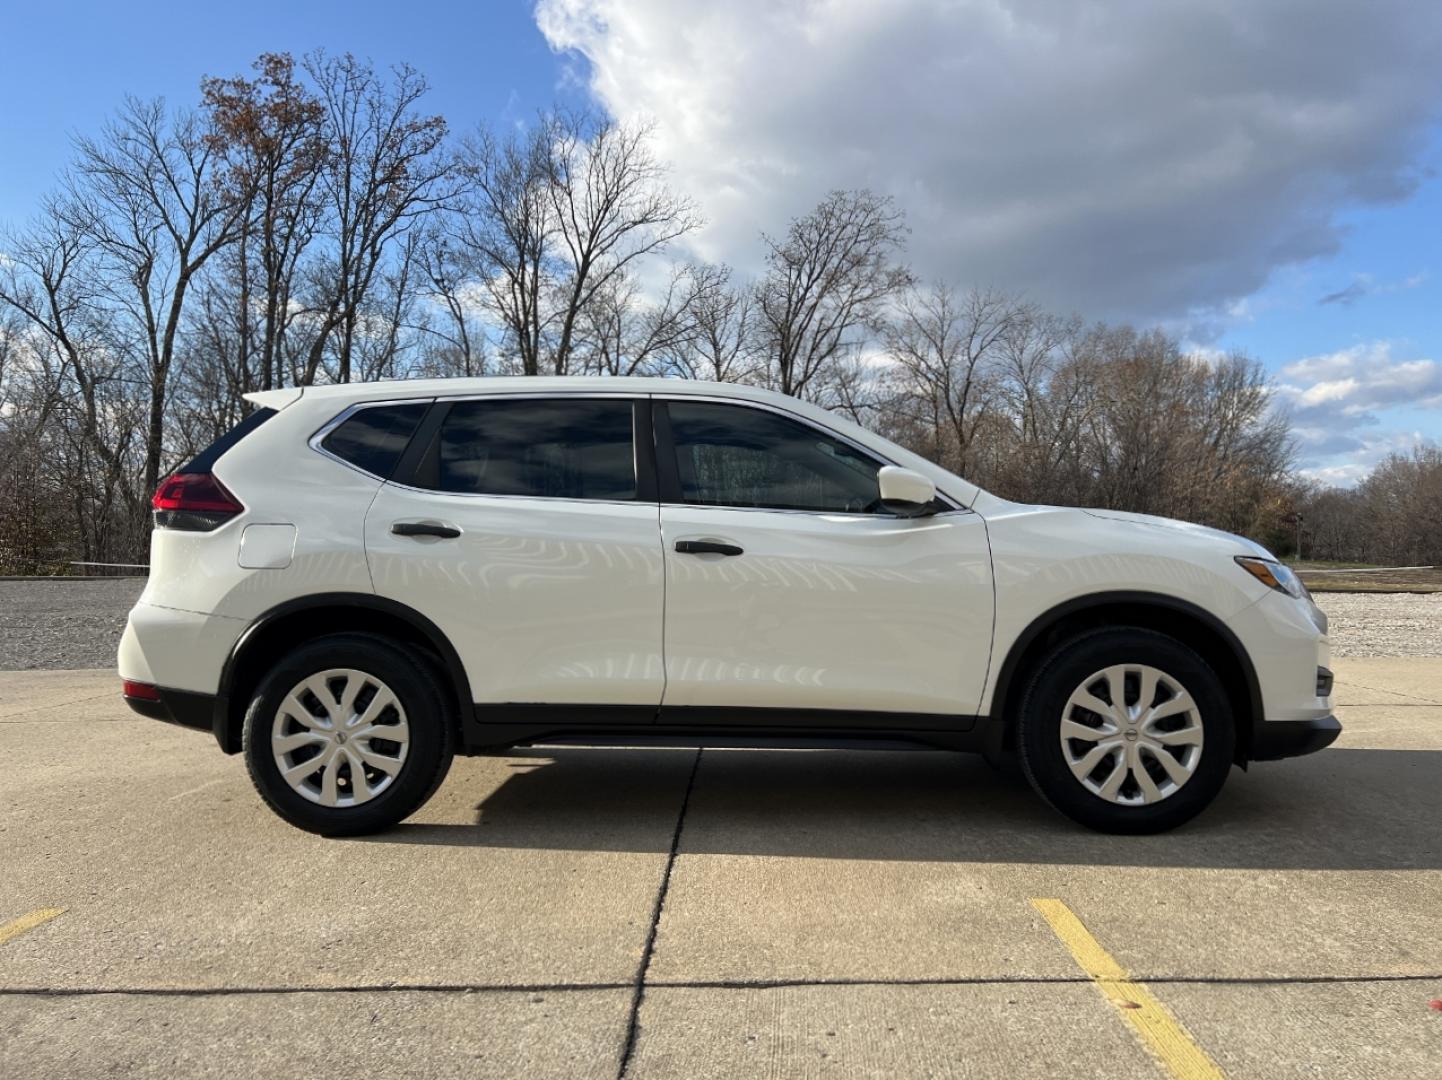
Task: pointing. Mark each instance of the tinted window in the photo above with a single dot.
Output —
(728, 455)
(373, 439)
(559, 449)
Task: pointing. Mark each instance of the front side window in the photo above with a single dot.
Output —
(730, 455)
(554, 449)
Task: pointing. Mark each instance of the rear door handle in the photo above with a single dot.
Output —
(706, 547)
(425, 528)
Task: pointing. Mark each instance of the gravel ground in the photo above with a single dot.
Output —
(1384, 624)
(66, 623)
(72, 623)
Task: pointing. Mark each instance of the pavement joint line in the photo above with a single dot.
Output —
(692, 984)
(633, 1024)
(21, 719)
(1399, 693)
(29, 921)
(202, 787)
(1154, 1025)
(7, 717)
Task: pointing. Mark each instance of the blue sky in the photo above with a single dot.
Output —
(484, 61)
(1219, 170)
(1383, 287)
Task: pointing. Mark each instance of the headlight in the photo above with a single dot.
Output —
(1274, 575)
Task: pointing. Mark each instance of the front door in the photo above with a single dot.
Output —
(789, 588)
(527, 536)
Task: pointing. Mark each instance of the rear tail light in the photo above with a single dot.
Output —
(139, 691)
(196, 502)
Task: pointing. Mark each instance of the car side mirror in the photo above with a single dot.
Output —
(905, 493)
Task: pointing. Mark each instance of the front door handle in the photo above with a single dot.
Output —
(425, 528)
(706, 547)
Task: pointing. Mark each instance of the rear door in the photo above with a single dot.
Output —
(789, 588)
(526, 528)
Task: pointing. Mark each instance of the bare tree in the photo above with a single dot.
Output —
(31, 524)
(1242, 449)
(504, 231)
(268, 133)
(381, 347)
(207, 390)
(49, 282)
(383, 172)
(1335, 524)
(554, 221)
(311, 223)
(1044, 392)
(611, 208)
(947, 348)
(81, 407)
(721, 345)
(623, 332)
(1403, 497)
(144, 195)
(446, 284)
(826, 284)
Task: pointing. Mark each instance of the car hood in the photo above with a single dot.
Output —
(1241, 544)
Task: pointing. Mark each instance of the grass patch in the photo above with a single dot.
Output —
(1374, 580)
(1324, 586)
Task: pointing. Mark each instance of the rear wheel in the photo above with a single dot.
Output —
(348, 735)
(1126, 730)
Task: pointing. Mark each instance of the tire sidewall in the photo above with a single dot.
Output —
(428, 754)
(1039, 741)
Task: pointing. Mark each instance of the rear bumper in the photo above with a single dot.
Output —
(182, 649)
(1276, 739)
(183, 707)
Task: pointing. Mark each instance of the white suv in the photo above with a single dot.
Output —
(360, 581)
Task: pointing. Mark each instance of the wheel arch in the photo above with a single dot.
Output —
(296, 621)
(1190, 624)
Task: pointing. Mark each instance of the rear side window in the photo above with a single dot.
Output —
(557, 449)
(374, 438)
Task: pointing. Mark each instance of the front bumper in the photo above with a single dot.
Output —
(1273, 740)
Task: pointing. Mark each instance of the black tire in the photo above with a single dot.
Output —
(428, 713)
(1039, 729)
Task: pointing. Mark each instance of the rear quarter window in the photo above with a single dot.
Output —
(373, 438)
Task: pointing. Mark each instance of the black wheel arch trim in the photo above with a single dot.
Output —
(1006, 675)
(227, 727)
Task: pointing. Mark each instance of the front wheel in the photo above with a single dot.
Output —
(347, 735)
(1126, 731)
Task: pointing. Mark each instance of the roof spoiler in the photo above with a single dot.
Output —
(275, 399)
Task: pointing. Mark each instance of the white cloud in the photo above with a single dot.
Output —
(1352, 458)
(1345, 388)
(1208, 354)
(1126, 158)
(1323, 392)
(1348, 475)
(1334, 400)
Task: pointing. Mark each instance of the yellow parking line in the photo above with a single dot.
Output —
(1151, 1021)
(15, 927)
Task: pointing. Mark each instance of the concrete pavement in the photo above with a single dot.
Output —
(824, 914)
